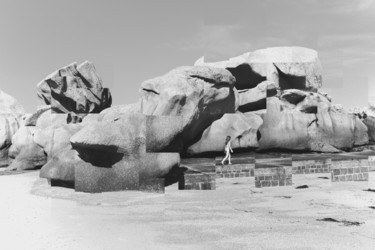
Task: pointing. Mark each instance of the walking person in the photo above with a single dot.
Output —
(227, 151)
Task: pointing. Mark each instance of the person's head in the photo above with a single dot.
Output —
(228, 139)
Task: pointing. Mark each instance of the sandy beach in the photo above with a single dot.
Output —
(235, 216)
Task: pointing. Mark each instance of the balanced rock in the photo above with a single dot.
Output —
(199, 95)
(288, 67)
(117, 153)
(241, 127)
(76, 89)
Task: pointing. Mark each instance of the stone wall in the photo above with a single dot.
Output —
(198, 181)
(235, 170)
(240, 167)
(271, 176)
(311, 166)
(350, 170)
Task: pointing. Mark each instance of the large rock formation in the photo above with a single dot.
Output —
(199, 95)
(326, 130)
(117, 153)
(287, 67)
(75, 89)
(267, 99)
(282, 84)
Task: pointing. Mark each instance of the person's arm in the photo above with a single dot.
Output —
(230, 147)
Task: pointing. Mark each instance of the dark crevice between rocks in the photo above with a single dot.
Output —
(271, 92)
(253, 106)
(176, 174)
(302, 187)
(287, 81)
(61, 183)
(246, 77)
(259, 135)
(310, 110)
(216, 84)
(345, 222)
(293, 98)
(151, 91)
(324, 178)
(372, 207)
(99, 158)
(316, 120)
(369, 190)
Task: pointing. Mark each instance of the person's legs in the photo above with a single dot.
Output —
(225, 158)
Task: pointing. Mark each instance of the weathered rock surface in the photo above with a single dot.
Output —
(60, 169)
(8, 127)
(54, 139)
(370, 124)
(326, 131)
(200, 95)
(288, 67)
(10, 113)
(119, 146)
(306, 102)
(112, 113)
(241, 127)
(76, 89)
(26, 154)
(255, 98)
(9, 105)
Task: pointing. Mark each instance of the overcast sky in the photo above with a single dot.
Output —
(131, 41)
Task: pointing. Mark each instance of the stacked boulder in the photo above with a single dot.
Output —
(74, 89)
(267, 99)
(126, 146)
(280, 86)
(67, 95)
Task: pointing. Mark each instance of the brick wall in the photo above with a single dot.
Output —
(273, 176)
(311, 166)
(198, 181)
(350, 170)
(235, 170)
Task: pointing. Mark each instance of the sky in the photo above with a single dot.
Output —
(134, 40)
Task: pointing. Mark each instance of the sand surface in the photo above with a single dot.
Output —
(235, 216)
